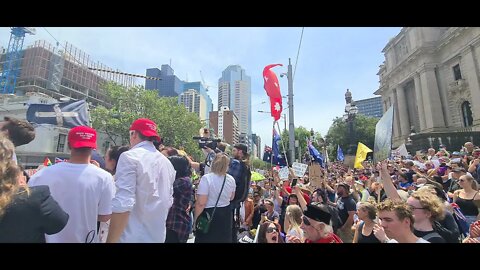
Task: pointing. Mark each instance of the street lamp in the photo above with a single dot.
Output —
(349, 117)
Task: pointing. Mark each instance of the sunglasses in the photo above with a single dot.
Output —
(271, 230)
(306, 221)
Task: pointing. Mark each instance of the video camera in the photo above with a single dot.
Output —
(204, 142)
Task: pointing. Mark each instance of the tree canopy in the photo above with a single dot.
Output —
(364, 132)
(175, 124)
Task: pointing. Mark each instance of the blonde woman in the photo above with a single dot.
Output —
(466, 196)
(293, 220)
(26, 214)
(215, 191)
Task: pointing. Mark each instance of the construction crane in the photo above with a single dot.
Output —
(203, 81)
(13, 56)
(126, 74)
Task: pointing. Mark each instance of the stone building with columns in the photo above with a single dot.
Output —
(431, 75)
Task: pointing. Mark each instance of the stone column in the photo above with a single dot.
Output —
(431, 100)
(402, 111)
(470, 63)
(396, 115)
(421, 109)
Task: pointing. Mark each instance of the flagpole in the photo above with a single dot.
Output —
(271, 153)
(283, 145)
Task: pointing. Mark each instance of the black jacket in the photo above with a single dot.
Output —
(29, 217)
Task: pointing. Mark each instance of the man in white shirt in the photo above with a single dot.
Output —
(82, 189)
(144, 181)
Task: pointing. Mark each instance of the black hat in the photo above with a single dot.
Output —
(318, 212)
(241, 146)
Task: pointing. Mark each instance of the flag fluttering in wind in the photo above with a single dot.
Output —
(362, 151)
(317, 156)
(47, 162)
(267, 154)
(58, 160)
(272, 87)
(278, 158)
(340, 156)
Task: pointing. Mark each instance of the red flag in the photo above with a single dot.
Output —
(272, 87)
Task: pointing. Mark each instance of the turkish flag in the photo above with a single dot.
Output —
(272, 87)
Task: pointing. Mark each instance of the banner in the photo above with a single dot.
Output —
(272, 87)
(383, 137)
(314, 175)
(67, 114)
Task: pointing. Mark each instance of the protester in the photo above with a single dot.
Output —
(214, 193)
(367, 213)
(346, 209)
(269, 233)
(396, 223)
(112, 156)
(293, 220)
(178, 219)
(26, 214)
(144, 182)
(466, 196)
(316, 226)
(86, 196)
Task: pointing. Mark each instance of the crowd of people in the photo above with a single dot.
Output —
(146, 192)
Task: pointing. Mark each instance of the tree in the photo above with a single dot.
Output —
(259, 164)
(175, 124)
(364, 130)
(301, 134)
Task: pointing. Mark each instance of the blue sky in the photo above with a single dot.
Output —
(331, 60)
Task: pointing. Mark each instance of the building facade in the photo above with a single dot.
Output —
(198, 86)
(169, 84)
(234, 92)
(431, 76)
(64, 73)
(194, 103)
(257, 141)
(225, 124)
(371, 107)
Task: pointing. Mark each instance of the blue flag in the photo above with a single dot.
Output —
(67, 114)
(278, 158)
(317, 156)
(340, 156)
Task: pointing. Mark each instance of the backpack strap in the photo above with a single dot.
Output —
(431, 235)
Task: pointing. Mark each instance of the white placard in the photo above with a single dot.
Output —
(299, 169)
(283, 173)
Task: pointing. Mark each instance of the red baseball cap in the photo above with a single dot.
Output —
(146, 127)
(82, 136)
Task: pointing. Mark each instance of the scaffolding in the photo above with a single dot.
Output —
(66, 71)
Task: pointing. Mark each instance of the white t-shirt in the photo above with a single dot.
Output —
(210, 185)
(84, 191)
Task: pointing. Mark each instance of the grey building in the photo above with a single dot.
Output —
(371, 107)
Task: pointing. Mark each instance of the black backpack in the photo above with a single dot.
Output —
(243, 184)
(449, 236)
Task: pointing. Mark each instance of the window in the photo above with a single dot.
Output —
(61, 142)
(467, 114)
(457, 73)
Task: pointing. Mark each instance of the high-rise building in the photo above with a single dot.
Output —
(370, 107)
(169, 84)
(234, 92)
(195, 103)
(256, 140)
(225, 124)
(199, 87)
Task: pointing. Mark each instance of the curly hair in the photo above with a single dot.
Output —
(430, 202)
(401, 209)
(9, 172)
